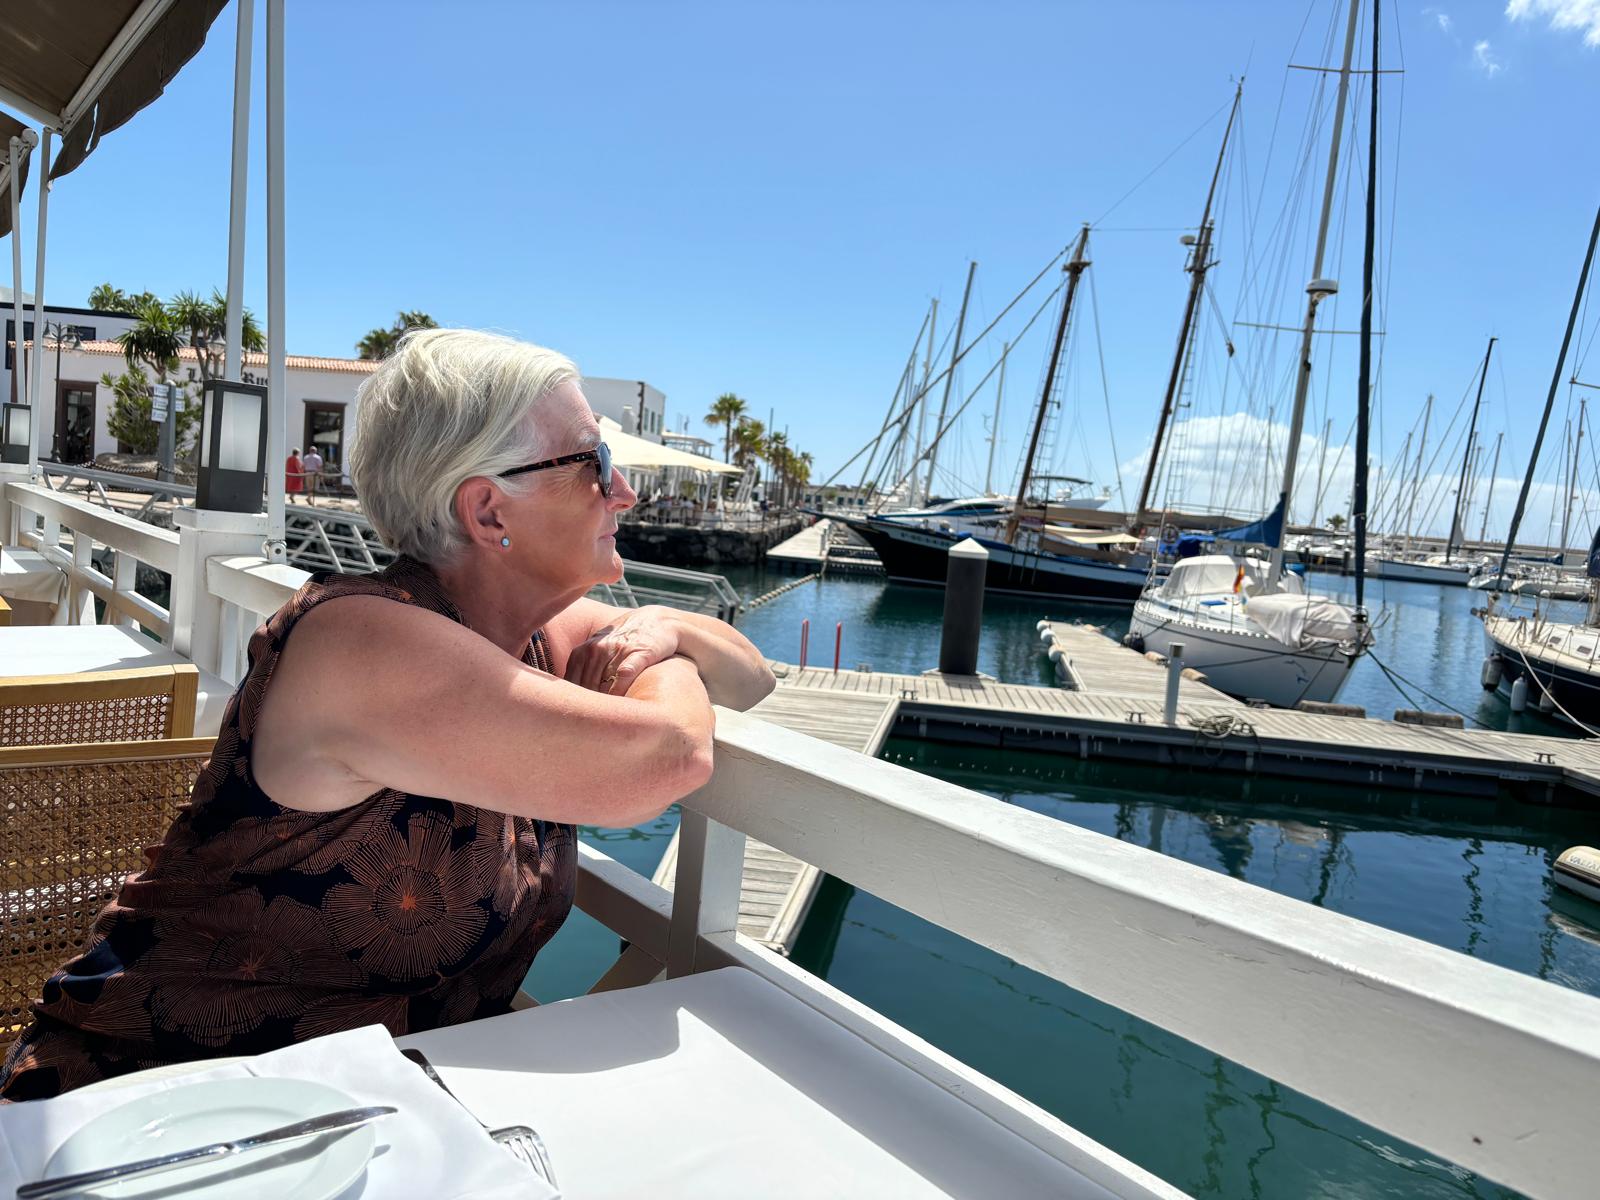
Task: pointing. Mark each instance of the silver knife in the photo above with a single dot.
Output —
(66, 1185)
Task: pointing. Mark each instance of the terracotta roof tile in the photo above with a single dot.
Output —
(303, 362)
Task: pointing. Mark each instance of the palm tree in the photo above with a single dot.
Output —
(779, 454)
(154, 341)
(380, 343)
(206, 321)
(1336, 522)
(726, 411)
(749, 442)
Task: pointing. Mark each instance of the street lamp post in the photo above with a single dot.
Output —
(61, 336)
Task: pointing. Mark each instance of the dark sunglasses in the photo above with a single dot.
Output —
(600, 456)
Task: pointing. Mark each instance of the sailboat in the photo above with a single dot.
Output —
(1450, 569)
(1248, 623)
(1030, 553)
(1531, 658)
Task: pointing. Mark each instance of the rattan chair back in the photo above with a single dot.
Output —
(99, 706)
(75, 821)
(5, 613)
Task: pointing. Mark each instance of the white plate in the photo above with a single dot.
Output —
(185, 1117)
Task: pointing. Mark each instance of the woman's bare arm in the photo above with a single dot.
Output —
(372, 694)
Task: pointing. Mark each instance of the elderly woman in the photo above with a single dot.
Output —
(384, 832)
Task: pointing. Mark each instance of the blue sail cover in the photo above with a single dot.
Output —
(1594, 557)
(1268, 530)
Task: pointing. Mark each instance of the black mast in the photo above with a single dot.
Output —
(1364, 378)
(1549, 404)
(1450, 546)
(1199, 263)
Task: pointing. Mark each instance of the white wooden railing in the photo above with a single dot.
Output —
(1488, 1068)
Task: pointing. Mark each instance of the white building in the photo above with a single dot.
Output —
(91, 325)
(632, 403)
(319, 410)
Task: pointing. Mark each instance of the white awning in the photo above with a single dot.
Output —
(628, 451)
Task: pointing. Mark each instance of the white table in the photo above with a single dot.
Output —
(71, 649)
(723, 1085)
(40, 586)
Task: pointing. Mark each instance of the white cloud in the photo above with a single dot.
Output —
(1444, 21)
(1580, 15)
(1484, 59)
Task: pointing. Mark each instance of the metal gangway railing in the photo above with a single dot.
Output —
(333, 538)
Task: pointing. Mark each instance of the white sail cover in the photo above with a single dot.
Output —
(1301, 621)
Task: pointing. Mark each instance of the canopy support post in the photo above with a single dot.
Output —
(237, 187)
(277, 379)
(36, 367)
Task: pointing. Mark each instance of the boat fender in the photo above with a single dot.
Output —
(1158, 659)
(1492, 670)
(1043, 625)
(1053, 654)
(1047, 635)
(1547, 701)
(1519, 694)
(1134, 642)
(1578, 869)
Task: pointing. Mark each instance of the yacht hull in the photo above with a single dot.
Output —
(1415, 572)
(1569, 675)
(1245, 664)
(912, 555)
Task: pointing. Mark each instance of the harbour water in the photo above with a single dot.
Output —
(1471, 874)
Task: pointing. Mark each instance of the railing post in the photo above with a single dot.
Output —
(197, 615)
(705, 893)
(805, 637)
(838, 644)
(1174, 674)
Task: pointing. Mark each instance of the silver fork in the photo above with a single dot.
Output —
(523, 1142)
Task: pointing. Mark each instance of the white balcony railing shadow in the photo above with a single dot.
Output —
(1490, 1069)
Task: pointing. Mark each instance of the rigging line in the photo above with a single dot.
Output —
(1400, 683)
(1171, 154)
(939, 433)
(1105, 388)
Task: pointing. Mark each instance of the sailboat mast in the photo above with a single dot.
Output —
(922, 397)
(994, 433)
(1316, 290)
(1483, 530)
(949, 378)
(1575, 444)
(1358, 497)
(1199, 264)
(1416, 475)
(1074, 269)
(1549, 402)
(1450, 546)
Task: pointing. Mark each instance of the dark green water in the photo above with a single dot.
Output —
(1469, 874)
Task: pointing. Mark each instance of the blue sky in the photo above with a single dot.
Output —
(763, 198)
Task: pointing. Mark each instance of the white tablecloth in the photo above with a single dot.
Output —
(26, 575)
(430, 1148)
(70, 649)
(723, 1085)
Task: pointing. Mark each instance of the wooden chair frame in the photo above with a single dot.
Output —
(101, 697)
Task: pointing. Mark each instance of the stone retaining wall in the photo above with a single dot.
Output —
(692, 546)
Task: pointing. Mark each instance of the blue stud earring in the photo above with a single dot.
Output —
(506, 542)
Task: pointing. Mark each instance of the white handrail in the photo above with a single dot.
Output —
(1494, 1070)
(151, 545)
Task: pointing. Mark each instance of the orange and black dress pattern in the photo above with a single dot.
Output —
(257, 925)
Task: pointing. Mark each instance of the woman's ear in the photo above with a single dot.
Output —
(478, 507)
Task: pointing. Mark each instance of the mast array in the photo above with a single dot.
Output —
(1452, 545)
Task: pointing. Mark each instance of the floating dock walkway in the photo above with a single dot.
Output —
(778, 888)
(827, 547)
(1115, 712)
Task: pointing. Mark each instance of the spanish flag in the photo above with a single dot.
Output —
(1238, 580)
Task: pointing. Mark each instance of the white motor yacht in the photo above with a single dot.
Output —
(1277, 644)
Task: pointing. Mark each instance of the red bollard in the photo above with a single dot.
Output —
(838, 643)
(805, 636)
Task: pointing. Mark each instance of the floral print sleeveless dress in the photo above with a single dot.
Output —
(257, 925)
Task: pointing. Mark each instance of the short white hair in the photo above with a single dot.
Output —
(447, 405)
